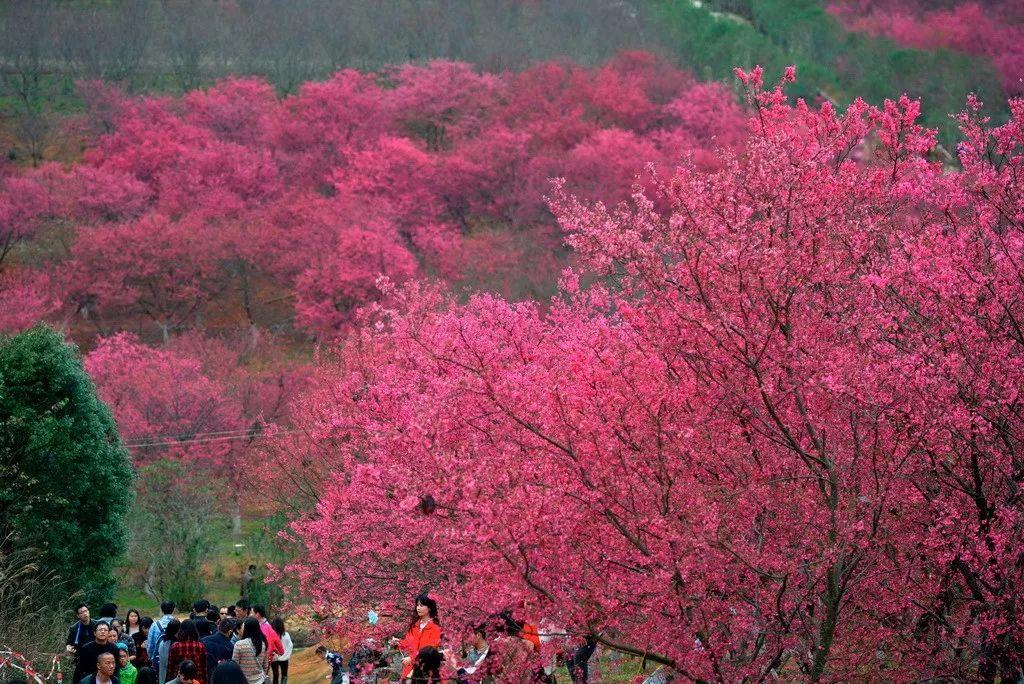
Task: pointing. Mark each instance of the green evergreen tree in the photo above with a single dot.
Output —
(65, 476)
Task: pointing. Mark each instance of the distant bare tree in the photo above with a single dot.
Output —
(34, 131)
(190, 30)
(27, 49)
(106, 40)
(281, 41)
(192, 42)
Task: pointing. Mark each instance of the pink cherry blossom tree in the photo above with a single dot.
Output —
(778, 436)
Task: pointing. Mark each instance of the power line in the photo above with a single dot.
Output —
(190, 435)
(200, 438)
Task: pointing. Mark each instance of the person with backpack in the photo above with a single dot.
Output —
(167, 640)
(81, 632)
(156, 633)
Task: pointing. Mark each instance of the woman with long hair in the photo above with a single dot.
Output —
(187, 647)
(250, 652)
(167, 639)
(132, 620)
(423, 631)
(279, 666)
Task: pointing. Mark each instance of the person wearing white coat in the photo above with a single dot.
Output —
(279, 666)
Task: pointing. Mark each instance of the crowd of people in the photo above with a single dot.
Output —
(234, 644)
(238, 644)
(502, 649)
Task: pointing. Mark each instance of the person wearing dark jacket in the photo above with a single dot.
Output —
(90, 652)
(108, 612)
(208, 626)
(219, 645)
(83, 630)
(105, 665)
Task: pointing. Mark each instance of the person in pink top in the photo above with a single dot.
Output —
(274, 645)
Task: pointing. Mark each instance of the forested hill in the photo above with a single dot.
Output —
(146, 45)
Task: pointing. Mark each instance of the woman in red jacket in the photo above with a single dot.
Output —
(423, 631)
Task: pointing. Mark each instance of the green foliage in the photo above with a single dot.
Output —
(265, 545)
(713, 43)
(65, 477)
(170, 532)
(717, 36)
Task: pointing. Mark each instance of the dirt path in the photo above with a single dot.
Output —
(306, 667)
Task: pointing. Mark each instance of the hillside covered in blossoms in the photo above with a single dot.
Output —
(682, 336)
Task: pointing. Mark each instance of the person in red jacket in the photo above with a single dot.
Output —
(424, 630)
(274, 645)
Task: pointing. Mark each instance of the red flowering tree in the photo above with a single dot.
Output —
(329, 292)
(163, 402)
(233, 207)
(780, 436)
(153, 267)
(27, 299)
(23, 205)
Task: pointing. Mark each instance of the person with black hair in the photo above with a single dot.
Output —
(365, 659)
(105, 673)
(108, 612)
(424, 630)
(219, 645)
(228, 672)
(208, 626)
(156, 632)
(475, 655)
(132, 620)
(170, 635)
(188, 673)
(248, 577)
(242, 609)
(141, 639)
(426, 669)
(335, 660)
(250, 652)
(117, 636)
(279, 662)
(509, 656)
(82, 630)
(200, 608)
(88, 653)
(147, 675)
(577, 660)
(187, 647)
(274, 645)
